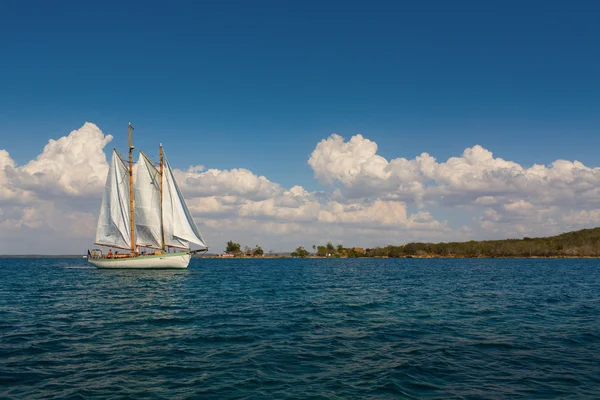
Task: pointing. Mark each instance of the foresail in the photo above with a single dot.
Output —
(147, 204)
(114, 223)
(179, 225)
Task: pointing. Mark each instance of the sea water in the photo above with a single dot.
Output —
(302, 328)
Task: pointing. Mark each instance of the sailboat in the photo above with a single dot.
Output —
(148, 217)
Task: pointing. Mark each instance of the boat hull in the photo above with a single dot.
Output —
(163, 261)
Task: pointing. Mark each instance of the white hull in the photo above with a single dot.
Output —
(167, 260)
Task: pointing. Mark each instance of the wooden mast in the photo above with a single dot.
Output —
(162, 227)
(131, 201)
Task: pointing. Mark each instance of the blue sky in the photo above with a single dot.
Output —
(256, 85)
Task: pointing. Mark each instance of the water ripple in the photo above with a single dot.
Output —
(329, 329)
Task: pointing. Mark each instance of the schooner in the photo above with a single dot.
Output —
(148, 217)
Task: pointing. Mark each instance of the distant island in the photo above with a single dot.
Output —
(40, 255)
(582, 243)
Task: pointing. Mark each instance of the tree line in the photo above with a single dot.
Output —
(235, 249)
(582, 243)
(329, 250)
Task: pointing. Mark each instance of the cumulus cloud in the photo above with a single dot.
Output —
(536, 196)
(335, 160)
(57, 196)
(356, 165)
(74, 165)
(486, 200)
(46, 202)
(5, 163)
(373, 201)
(234, 182)
(7, 167)
(582, 218)
(476, 176)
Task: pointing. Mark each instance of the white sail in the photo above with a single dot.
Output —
(114, 221)
(179, 225)
(147, 204)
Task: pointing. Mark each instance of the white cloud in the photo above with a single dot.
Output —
(356, 165)
(281, 208)
(74, 165)
(335, 160)
(58, 194)
(55, 198)
(234, 182)
(582, 218)
(534, 197)
(378, 213)
(474, 177)
(5, 162)
(486, 200)
(7, 166)
(519, 207)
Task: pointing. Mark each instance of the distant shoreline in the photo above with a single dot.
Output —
(369, 257)
(6, 256)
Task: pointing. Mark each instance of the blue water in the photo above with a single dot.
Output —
(336, 329)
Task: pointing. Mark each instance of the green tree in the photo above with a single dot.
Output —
(340, 248)
(258, 251)
(232, 247)
(330, 247)
(321, 251)
(300, 252)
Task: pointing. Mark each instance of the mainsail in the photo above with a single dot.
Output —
(147, 204)
(174, 220)
(113, 224)
(179, 226)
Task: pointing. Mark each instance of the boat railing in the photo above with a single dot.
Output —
(96, 254)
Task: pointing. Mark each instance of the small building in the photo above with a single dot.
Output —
(358, 250)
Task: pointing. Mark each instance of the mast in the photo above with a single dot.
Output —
(162, 226)
(131, 201)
